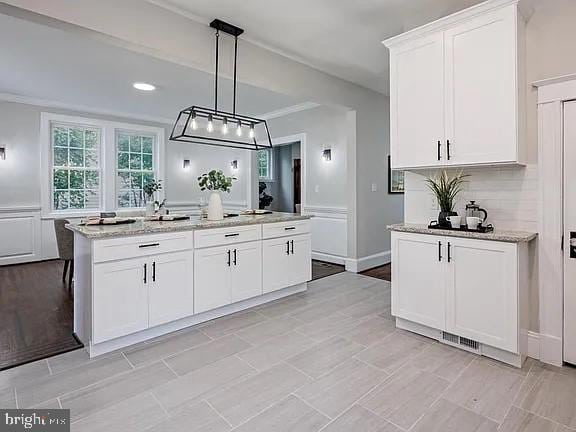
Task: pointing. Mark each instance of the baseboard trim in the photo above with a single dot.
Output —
(551, 349)
(334, 259)
(366, 263)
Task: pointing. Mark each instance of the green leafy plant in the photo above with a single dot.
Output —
(215, 180)
(446, 188)
(152, 186)
(265, 199)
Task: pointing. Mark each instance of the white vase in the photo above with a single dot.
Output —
(215, 210)
(150, 208)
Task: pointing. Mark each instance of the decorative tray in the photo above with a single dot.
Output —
(108, 221)
(166, 218)
(481, 228)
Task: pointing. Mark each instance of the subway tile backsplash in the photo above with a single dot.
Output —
(509, 194)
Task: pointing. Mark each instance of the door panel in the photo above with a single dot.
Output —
(120, 299)
(417, 103)
(482, 292)
(276, 270)
(171, 291)
(246, 271)
(301, 265)
(418, 282)
(211, 279)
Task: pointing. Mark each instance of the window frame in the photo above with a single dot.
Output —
(270, 177)
(107, 163)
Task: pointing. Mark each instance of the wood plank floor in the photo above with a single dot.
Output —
(321, 269)
(36, 313)
(383, 272)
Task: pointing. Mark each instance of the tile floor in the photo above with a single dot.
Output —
(327, 360)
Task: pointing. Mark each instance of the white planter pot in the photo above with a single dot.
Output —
(150, 209)
(215, 210)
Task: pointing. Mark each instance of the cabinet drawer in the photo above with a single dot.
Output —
(283, 229)
(139, 246)
(226, 236)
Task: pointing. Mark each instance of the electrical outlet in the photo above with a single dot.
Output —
(374, 187)
(433, 203)
(317, 188)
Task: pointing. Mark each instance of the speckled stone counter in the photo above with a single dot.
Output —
(194, 223)
(503, 236)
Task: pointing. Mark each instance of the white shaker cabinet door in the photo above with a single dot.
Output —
(482, 297)
(276, 270)
(246, 271)
(301, 257)
(212, 287)
(418, 278)
(482, 89)
(171, 290)
(120, 297)
(417, 103)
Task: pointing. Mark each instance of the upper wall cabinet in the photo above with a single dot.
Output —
(457, 90)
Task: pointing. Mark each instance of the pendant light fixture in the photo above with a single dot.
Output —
(212, 126)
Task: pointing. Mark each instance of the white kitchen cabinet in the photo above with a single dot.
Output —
(418, 282)
(246, 271)
(286, 262)
(482, 292)
(121, 298)
(171, 293)
(474, 58)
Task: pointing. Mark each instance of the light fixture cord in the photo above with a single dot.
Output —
(235, 68)
(216, 77)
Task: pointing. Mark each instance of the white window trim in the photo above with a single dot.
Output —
(107, 161)
(270, 177)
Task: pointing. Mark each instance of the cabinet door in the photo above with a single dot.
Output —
(417, 103)
(482, 298)
(418, 278)
(212, 278)
(482, 89)
(276, 269)
(120, 298)
(301, 259)
(171, 290)
(246, 271)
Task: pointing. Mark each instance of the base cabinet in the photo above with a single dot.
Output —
(286, 261)
(462, 286)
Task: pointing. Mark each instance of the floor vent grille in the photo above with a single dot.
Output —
(462, 342)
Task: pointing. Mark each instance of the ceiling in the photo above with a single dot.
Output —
(340, 37)
(52, 65)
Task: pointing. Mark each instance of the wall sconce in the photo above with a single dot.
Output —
(186, 164)
(327, 155)
(234, 164)
(3, 153)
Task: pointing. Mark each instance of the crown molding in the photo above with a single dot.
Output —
(288, 110)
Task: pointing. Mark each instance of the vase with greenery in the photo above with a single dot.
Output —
(446, 187)
(150, 188)
(216, 182)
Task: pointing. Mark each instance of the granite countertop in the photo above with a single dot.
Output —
(496, 235)
(194, 223)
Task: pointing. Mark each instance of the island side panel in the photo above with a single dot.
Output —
(82, 288)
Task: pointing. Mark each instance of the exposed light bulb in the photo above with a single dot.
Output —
(251, 134)
(225, 126)
(193, 122)
(210, 127)
(239, 129)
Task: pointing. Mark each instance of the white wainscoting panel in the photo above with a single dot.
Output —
(329, 233)
(20, 239)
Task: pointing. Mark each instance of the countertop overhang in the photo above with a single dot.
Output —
(142, 226)
(496, 235)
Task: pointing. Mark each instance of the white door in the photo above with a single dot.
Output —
(120, 298)
(482, 297)
(418, 278)
(276, 264)
(171, 293)
(212, 278)
(246, 271)
(569, 233)
(417, 103)
(482, 89)
(301, 259)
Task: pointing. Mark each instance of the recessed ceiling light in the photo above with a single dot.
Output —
(144, 86)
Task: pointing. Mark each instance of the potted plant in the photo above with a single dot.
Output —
(216, 182)
(264, 199)
(150, 188)
(446, 188)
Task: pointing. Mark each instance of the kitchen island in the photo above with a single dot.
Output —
(138, 281)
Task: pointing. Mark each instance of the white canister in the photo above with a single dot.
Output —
(215, 210)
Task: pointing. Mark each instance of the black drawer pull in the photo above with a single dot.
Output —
(232, 235)
(149, 245)
(289, 228)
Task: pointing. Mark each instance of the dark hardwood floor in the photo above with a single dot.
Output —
(321, 269)
(382, 272)
(36, 313)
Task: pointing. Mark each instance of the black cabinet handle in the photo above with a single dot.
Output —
(292, 243)
(289, 228)
(288, 247)
(448, 148)
(228, 258)
(145, 273)
(439, 150)
(232, 235)
(154, 271)
(234, 256)
(149, 245)
(449, 255)
(440, 251)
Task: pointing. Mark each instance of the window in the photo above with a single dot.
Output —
(90, 165)
(75, 167)
(265, 164)
(135, 167)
